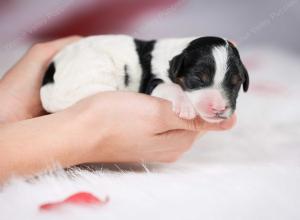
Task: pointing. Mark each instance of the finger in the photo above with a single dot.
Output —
(175, 122)
(34, 63)
(43, 52)
(60, 43)
(175, 143)
(177, 140)
(171, 121)
(197, 124)
(224, 125)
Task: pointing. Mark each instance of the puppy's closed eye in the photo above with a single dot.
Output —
(203, 75)
(202, 78)
(235, 79)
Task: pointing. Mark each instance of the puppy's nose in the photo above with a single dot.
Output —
(218, 109)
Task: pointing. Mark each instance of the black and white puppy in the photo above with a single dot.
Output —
(200, 76)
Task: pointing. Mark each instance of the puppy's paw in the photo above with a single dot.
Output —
(183, 107)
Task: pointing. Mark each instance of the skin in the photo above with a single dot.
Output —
(89, 131)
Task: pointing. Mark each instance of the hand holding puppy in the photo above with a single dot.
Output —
(132, 127)
(106, 127)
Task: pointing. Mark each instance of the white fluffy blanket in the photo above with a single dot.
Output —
(251, 172)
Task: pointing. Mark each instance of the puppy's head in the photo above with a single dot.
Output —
(211, 73)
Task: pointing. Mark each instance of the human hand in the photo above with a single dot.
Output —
(132, 127)
(20, 86)
(106, 127)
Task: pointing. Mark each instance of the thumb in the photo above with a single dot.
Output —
(198, 124)
(223, 125)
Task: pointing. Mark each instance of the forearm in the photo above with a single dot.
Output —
(34, 145)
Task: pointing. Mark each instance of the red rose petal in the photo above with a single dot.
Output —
(80, 198)
(48, 206)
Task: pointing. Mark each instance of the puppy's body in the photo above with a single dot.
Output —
(180, 70)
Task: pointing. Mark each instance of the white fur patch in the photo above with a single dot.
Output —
(92, 65)
(220, 55)
(164, 51)
(96, 64)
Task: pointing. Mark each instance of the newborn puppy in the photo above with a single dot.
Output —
(200, 76)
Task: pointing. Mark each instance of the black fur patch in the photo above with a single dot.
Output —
(144, 50)
(126, 76)
(152, 84)
(236, 76)
(188, 67)
(49, 75)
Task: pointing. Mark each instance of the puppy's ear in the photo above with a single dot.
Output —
(244, 72)
(175, 66)
(245, 76)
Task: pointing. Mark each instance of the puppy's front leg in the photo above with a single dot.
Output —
(181, 104)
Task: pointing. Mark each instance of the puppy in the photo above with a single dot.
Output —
(199, 76)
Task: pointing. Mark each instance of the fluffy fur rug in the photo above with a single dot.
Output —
(250, 172)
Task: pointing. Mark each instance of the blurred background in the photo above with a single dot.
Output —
(249, 23)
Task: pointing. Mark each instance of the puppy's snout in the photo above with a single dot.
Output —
(211, 104)
(217, 104)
